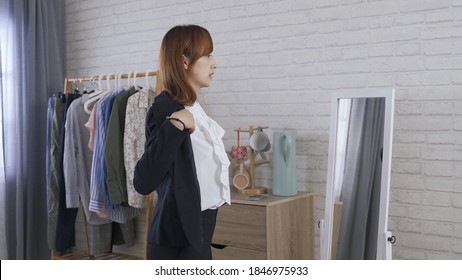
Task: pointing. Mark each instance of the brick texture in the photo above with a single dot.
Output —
(278, 62)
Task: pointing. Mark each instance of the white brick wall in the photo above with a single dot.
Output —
(278, 61)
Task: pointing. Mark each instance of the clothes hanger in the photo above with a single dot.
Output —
(147, 81)
(135, 73)
(96, 96)
(84, 87)
(148, 89)
(116, 80)
(119, 80)
(100, 88)
(76, 87)
(91, 89)
(129, 82)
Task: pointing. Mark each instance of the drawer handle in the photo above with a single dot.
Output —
(218, 246)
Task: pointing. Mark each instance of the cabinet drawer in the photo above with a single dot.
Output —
(241, 226)
(234, 253)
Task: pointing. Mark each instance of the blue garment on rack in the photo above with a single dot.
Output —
(99, 191)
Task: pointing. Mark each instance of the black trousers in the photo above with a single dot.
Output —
(160, 252)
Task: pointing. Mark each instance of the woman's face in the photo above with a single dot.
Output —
(201, 74)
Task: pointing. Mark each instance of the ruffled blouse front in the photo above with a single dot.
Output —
(210, 158)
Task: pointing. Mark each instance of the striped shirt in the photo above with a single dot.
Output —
(99, 201)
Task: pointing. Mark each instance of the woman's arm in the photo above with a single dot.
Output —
(162, 144)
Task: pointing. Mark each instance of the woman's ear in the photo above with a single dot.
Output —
(185, 62)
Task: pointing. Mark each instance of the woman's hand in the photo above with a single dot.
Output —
(186, 117)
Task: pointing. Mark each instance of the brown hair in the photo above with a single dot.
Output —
(190, 41)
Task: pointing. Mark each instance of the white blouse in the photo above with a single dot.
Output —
(212, 163)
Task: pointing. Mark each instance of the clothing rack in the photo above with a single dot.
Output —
(68, 84)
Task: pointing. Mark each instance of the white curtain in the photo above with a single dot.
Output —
(32, 69)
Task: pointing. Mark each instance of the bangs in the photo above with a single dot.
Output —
(204, 43)
(201, 43)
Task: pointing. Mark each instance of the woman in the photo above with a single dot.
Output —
(184, 160)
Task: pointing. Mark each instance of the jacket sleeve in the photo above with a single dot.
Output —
(163, 142)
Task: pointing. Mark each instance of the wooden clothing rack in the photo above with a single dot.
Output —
(81, 255)
(68, 82)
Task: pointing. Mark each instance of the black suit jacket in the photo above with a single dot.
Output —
(167, 166)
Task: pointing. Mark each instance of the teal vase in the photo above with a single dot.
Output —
(284, 164)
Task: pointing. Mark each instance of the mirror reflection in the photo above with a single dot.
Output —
(358, 177)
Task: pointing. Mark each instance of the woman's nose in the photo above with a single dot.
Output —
(214, 64)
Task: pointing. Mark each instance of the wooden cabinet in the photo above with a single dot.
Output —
(271, 228)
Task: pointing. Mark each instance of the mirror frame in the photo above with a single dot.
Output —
(383, 246)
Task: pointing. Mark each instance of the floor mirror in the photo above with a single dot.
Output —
(355, 225)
